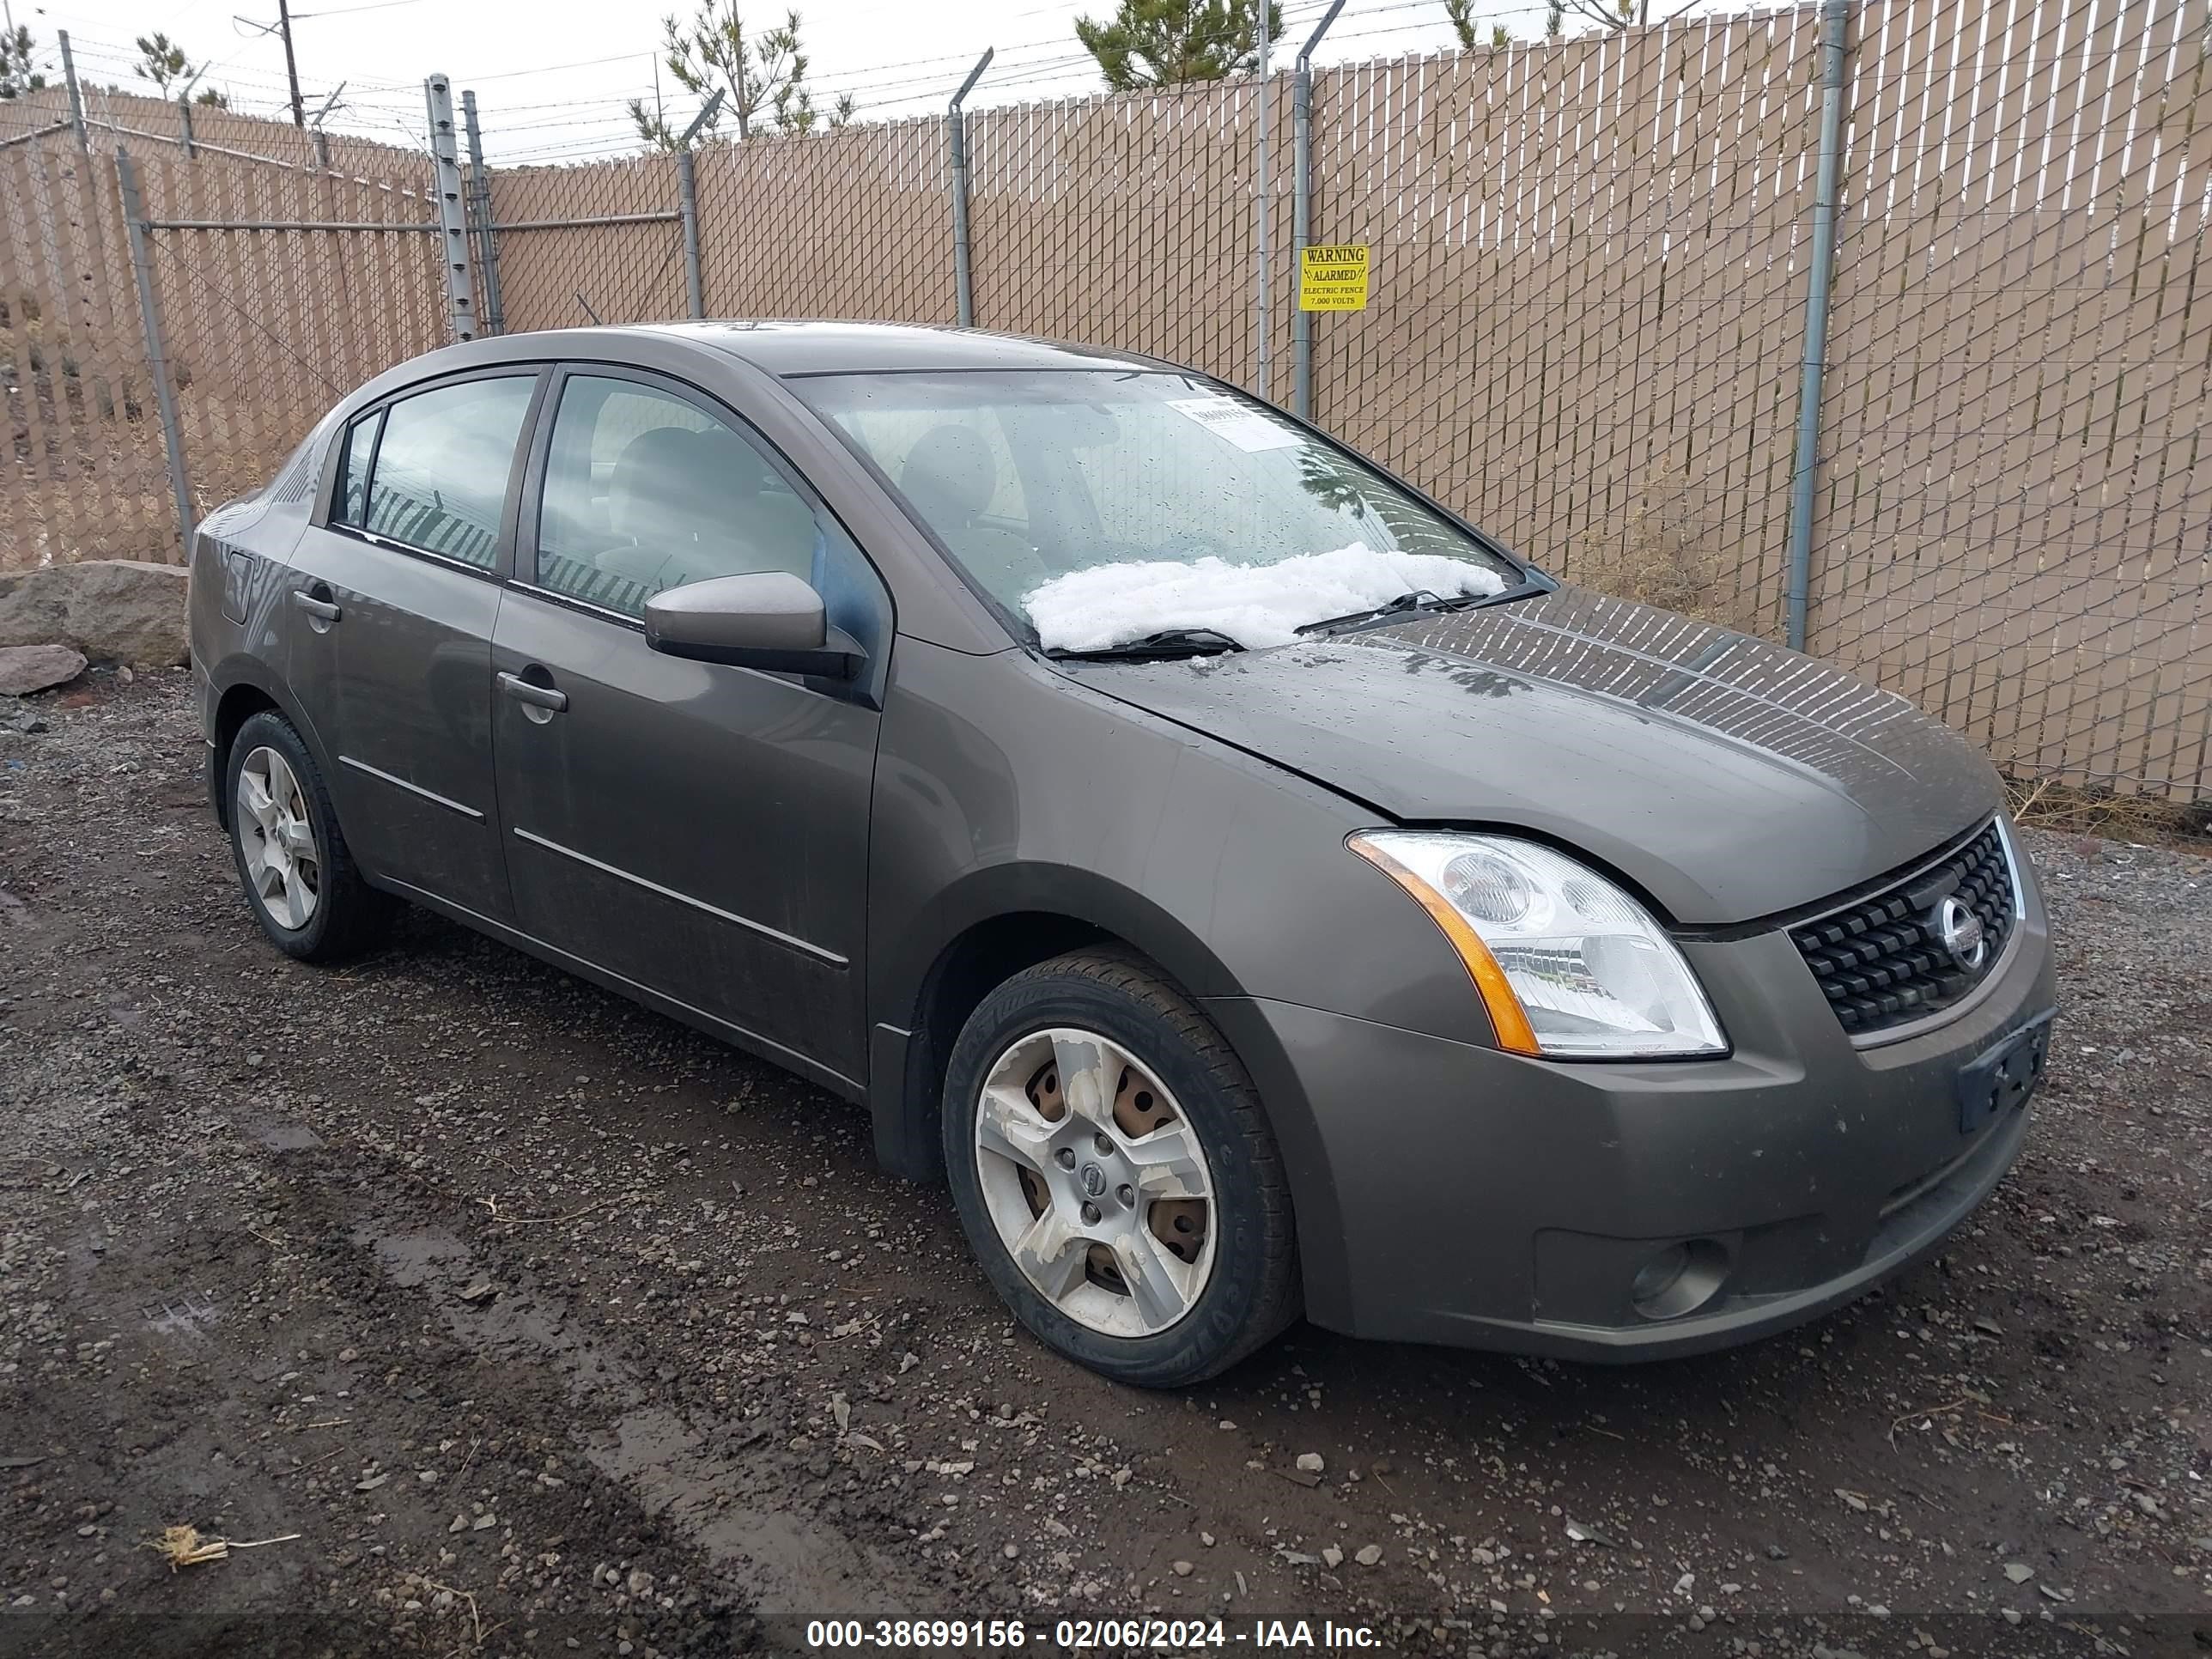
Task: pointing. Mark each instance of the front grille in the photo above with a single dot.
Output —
(1882, 962)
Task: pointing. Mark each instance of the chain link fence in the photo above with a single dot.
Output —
(283, 272)
(1592, 287)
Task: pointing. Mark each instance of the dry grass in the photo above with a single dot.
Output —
(2045, 804)
(1663, 557)
(185, 1546)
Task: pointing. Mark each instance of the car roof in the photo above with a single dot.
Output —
(795, 347)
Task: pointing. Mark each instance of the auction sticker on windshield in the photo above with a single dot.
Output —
(1226, 418)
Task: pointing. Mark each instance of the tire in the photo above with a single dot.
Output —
(319, 909)
(1238, 1277)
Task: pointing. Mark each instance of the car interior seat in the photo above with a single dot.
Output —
(950, 477)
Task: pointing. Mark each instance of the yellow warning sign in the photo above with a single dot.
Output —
(1333, 278)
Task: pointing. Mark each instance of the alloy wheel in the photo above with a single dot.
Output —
(276, 841)
(1095, 1181)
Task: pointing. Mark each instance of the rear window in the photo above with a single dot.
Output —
(353, 488)
(441, 474)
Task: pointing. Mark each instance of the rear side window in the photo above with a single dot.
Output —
(441, 474)
(360, 451)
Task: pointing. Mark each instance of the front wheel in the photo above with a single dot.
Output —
(1116, 1174)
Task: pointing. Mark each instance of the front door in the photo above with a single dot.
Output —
(395, 592)
(697, 830)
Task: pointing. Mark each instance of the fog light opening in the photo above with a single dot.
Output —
(1679, 1279)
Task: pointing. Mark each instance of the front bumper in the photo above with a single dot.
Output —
(1454, 1194)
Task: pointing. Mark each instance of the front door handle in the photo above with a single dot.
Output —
(533, 695)
(321, 610)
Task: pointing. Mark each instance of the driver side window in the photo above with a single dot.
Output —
(646, 490)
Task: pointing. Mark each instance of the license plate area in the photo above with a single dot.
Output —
(2001, 1077)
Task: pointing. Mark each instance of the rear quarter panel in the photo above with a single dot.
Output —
(237, 613)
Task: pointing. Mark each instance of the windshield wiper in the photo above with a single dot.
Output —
(1406, 605)
(1420, 599)
(1168, 643)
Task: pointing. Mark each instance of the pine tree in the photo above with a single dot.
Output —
(1176, 43)
(19, 71)
(762, 77)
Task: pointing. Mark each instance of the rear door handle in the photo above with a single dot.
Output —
(321, 610)
(537, 696)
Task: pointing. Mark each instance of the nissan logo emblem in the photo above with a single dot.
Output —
(1961, 930)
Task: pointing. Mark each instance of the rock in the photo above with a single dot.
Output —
(1310, 1462)
(2019, 1572)
(1180, 1569)
(640, 1581)
(123, 609)
(27, 668)
(1368, 1555)
(1331, 1557)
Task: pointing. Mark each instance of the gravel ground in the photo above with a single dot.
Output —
(522, 1321)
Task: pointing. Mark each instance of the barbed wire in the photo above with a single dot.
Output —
(601, 122)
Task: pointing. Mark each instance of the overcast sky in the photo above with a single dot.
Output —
(551, 77)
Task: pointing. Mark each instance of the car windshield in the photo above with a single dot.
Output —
(1115, 506)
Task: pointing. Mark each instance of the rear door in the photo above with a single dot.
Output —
(698, 829)
(395, 589)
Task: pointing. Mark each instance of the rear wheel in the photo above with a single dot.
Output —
(1116, 1174)
(292, 861)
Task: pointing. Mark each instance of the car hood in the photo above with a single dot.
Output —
(1729, 778)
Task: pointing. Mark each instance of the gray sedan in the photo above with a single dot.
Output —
(1248, 887)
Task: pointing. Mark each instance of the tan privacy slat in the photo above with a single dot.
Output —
(1589, 272)
(2015, 525)
(264, 329)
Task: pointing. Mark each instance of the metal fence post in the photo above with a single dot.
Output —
(1302, 211)
(687, 202)
(157, 355)
(1835, 18)
(453, 221)
(184, 125)
(76, 92)
(955, 133)
(494, 315)
(1261, 298)
(687, 208)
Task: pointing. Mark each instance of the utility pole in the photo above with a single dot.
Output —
(452, 217)
(291, 64)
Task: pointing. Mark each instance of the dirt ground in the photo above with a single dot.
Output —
(502, 1317)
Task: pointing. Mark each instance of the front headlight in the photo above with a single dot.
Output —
(1569, 966)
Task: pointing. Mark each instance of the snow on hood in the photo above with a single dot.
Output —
(1255, 605)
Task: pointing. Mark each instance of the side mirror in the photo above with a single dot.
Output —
(769, 619)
